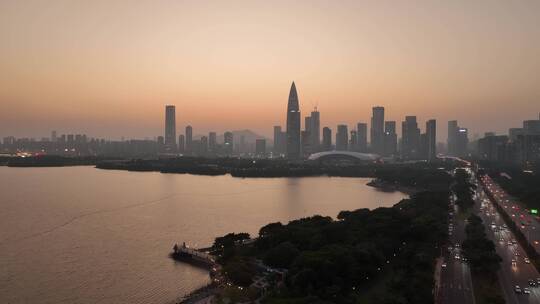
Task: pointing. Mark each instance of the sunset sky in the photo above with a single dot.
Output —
(107, 68)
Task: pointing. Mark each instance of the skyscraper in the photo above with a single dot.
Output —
(353, 144)
(260, 147)
(462, 142)
(181, 143)
(279, 142)
(170, 128)
(212, 142)
(431, 139)
(326, 139)
(228, 143)
(390, 138)
(189, 140)
(410, 139)
(452, 137)
(293, 125)
(305, 137)
(377, 130)
(342, 138)
(315, 130)
(361, 133)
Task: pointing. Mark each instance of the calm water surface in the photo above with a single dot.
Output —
(83, 235)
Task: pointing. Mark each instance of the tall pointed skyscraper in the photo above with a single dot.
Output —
(293, 125)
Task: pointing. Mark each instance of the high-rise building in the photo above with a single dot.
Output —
(452, 137)
(410, 139)
(305, 137)
(203, 146)
(377, 130)
(326, 139)
(189, 140)
(260, 147)
(361, 133)
(212, 142)
(228, 143)
(279, 141)
(53, 136)
(181, 143)
(293, 125)
(342, 138)
(170, 128)
(390, 138)
(462, 142)
(353, 144)
(315, 130)
(431, 139)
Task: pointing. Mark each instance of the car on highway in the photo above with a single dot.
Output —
(527, 260)
(532, 283)
(526, 290)
(517, 289)
(443, 265)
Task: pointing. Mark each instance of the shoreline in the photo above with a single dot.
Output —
(391, 187)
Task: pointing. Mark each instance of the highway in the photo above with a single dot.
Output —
(456, 281)
(527, 223)
(511, 273)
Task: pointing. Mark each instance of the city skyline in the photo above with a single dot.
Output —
(113, 82)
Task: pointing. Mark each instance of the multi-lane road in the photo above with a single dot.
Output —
(524, 220)
(456, 282)
(515, 270)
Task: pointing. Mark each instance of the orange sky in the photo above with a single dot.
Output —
(107, 68)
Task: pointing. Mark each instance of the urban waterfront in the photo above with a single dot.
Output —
(83, 235)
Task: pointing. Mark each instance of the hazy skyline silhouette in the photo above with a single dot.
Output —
(108, 68)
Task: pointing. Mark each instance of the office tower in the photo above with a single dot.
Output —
(160, 141)
(307, 123)
(212, 142)
(242, 146)
(181, 143)
(342, 139)
(326, 139)
(170, 128)
(452, 137)
(189, 140)
(203, 146)
(493, 147)
(228, 143)
(260, 147)
(361, 133)
(462, 142)
(390, 138)
(410, 139)
(305, 137)
(53, 136)
(377, 130)
(353, 144)
(431, 139)
(315, 130)
(304, 140)
(513, 133)
(293, 125)
(278, 141)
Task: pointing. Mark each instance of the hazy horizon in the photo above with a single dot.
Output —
(108, 68)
